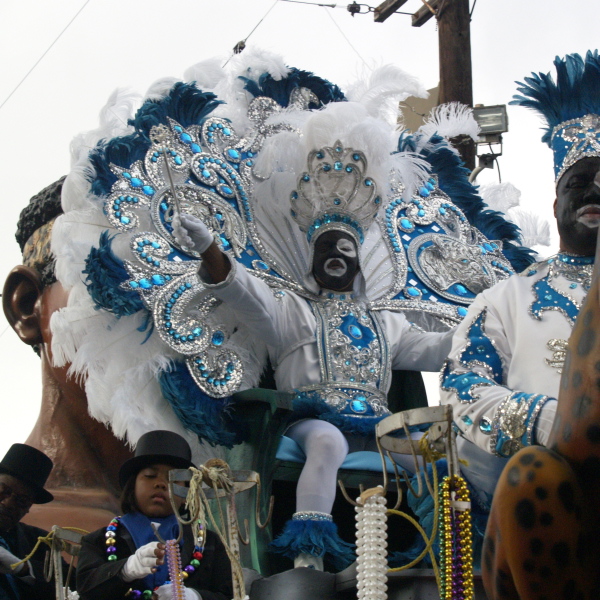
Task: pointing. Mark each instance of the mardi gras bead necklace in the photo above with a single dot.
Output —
(176, 573)
(456, 549)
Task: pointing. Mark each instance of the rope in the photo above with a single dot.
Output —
(429, 456)
(47, 539)
(217, 477)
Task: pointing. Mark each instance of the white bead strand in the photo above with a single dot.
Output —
(371, 545)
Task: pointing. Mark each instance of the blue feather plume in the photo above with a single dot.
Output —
(280, 90)
(105, 273)
(185, 103)
(314, 537)
(575, 92)
(197, 411)
(453, 179)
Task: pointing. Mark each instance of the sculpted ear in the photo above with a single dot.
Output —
(22, 290)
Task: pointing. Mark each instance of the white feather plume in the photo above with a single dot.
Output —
(535, 230)
(450, 120)
(207, 74)
(500, 196)
(383, 89)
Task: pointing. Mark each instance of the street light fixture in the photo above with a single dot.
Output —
(493, 122)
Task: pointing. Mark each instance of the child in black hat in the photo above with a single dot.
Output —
(125, 558)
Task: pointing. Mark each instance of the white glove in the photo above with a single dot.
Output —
(141, 563)
(7, 558)
(165, 592)
(192, 233)
(544, 421)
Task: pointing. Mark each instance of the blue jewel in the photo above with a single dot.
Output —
(338, 166)
(424, 192)
(485, 425)
(358, 405)
(356, 156)
(185, 137)
(368, 182)
(573, 286)
(218, 338)
(124, 220)
(355, 332)
(406, 224)
(461, 289)
(262, 265)
(195, 148)
(145, 284)
(462, 311)
(233, 154)
(158, 279)
(134, 284)
(411, 291)
(467, 420)
(227, 190)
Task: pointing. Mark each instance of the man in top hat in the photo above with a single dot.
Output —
(503, 372)
(23, 474)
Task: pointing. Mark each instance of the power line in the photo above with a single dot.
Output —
(472, 8)
(346, 38)
(242, 44)
(44, 54)
(314, 3)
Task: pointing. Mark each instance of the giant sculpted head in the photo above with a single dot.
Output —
(82, 449)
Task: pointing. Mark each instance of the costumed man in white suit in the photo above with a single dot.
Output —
(335, 353)
(503, 373)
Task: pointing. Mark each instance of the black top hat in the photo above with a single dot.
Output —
(31, 466)
(156, 447)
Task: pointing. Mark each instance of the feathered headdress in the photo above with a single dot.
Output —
(570, 106)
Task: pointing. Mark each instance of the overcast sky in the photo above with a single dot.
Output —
(131, 43)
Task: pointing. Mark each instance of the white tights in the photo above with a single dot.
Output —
(326, 448)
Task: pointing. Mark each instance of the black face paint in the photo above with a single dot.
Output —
(578, 206)
(335, 261)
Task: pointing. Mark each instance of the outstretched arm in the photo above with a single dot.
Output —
(250, 298)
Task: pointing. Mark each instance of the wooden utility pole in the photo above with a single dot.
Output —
(456, 79)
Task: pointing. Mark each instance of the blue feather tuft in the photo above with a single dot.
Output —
(314, 537)
(280, 90)
(453, 179)
(574, 93)
(185, 103)
(105, 273)
(197, 411)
